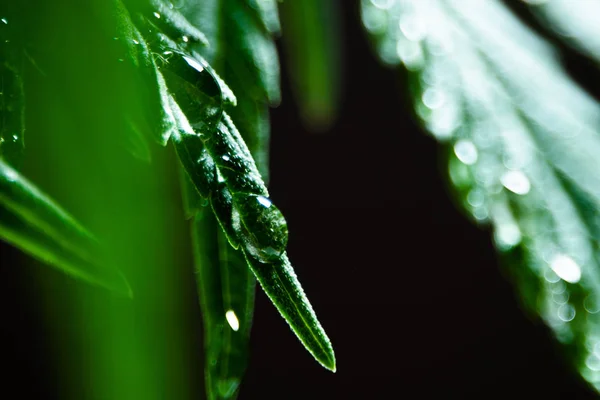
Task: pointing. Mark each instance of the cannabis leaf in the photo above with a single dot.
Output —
(31, 221)
(519, 160)
(220, 171)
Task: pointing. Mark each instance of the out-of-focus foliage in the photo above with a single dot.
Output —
(522, 142)
(313, 48)
(574, 21)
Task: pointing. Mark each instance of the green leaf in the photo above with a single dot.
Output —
(222, 169)
(313, 49)
(523, 147)
(266, 11)
(226, 290)
(280, 283)
(32, 222)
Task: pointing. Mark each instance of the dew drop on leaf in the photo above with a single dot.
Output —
(516, 182)
(566, 312)
(466, 152)
(261, 226)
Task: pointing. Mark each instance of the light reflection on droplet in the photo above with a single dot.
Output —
(433, 98)
(516, 182)
(566, 268)
(566, 312)
(135, 41)
(10, 174)
(193, 63)
(157, 15)
(264, 201)
(232, 320)
(466, 152)
(185, 38)
(4, 20)
(508, 235)
(225, 157)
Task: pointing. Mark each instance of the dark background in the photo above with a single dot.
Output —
(409, 291)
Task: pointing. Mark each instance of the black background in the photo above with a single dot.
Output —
(409, 291)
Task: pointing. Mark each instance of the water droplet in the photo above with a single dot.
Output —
(566, 268)
(591, 304)
(466, 151)
(481, 214)
(566, 312)
(433, 98)
(232, 320)
(15, 137)
(185, 39)
(225, 157)
(551, 276)
(375, 20)
(135, 41)
(507, 236)
(558, 287)
(561, 298)
(516, 182)
(476, 198)
(157, 15)
(593, 362)
(413, 28)
(4, 20)
(411, 54)
(261, 226)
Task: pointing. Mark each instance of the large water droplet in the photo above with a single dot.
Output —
(261, 226)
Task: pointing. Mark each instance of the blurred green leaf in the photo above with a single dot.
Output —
(32, 222)
(313, 48)
(523, 149)
(575, 22)
(222, 169)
